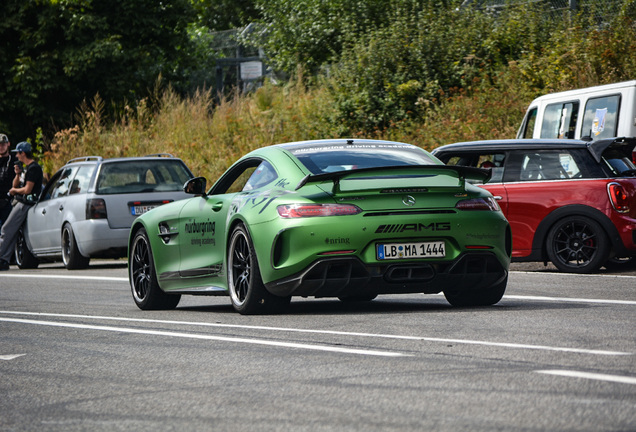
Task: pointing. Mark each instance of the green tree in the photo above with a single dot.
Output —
(310, 33)
(219, 15)
(57, 53)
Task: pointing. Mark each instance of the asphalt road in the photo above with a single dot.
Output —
(558, 353)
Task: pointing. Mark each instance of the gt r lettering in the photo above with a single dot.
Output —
(400, 228)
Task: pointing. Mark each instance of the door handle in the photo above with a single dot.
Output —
(217, 206)
(498, 198)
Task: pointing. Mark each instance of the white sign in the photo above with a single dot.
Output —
(251, 70)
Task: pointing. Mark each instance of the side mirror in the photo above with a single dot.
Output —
(195, 186)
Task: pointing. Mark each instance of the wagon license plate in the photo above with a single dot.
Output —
(435, 249)
(141, 209)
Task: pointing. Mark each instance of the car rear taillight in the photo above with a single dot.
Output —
(487, 203)
(96, 209)
(313, 210)
(618, 197)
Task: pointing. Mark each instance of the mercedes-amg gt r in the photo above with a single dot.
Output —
(341, 218)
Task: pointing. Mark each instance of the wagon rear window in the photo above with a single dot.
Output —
(142, 176)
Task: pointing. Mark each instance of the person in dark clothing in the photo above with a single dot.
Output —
(26, 189)
(6, 177)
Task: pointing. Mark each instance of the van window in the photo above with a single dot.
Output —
(601, 117)
(528, 124)
(559, 120)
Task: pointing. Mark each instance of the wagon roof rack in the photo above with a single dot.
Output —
(159, 155)
(85, 159)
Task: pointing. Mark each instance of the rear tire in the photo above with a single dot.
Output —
(71, 256)
(247, 291)
(483, 297)
(143, 278)
(577, 244)
(24, 259)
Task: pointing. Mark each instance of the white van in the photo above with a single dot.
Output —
(597, 112)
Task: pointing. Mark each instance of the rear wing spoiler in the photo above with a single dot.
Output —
(462, 172)
(598, 147)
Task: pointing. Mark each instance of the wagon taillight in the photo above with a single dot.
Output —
(96, 209)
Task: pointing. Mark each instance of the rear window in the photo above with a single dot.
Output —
(138, 176)
(619, 160)
(325, 159)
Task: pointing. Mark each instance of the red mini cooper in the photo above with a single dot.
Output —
(570, 202)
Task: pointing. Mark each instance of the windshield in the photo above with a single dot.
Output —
(320, 159)
(137, 176)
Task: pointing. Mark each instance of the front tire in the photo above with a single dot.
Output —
(577, 244)
(23, 256)
(249, 295)
(143, 277)
(71, 256)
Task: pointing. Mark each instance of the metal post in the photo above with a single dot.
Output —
(573, 5)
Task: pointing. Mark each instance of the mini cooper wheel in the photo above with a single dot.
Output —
(71, 256)
(577, 245)
(143, 277)
(482, 297)
(248, 294)
(23, 256)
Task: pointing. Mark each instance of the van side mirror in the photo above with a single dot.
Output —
(195, 186)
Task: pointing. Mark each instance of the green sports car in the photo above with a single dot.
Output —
(330, 218)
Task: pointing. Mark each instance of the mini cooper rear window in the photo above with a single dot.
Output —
(343, 157)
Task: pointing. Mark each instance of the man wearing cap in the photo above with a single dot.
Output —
(6, 177)
(26, 190)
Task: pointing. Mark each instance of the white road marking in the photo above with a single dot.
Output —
(571, 300)
(10, 356)
(208, 337)
(45, 276)
(586, 275)
(506, 296)
(339, 333)
(592, 376)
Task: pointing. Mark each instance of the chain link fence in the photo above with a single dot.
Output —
(601, 10)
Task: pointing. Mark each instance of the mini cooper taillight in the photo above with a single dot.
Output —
(487, 203)
(96, 209)
(618, 197)
(313, 210)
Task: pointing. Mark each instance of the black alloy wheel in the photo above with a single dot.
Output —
(143, 278)
(577, 244)
(247, 292)
(71, 256)
(24, 259)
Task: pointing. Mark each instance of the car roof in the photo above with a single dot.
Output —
(338, 141)
(596, 148)
(99, 159)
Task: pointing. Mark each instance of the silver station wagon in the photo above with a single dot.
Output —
(87, 208)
